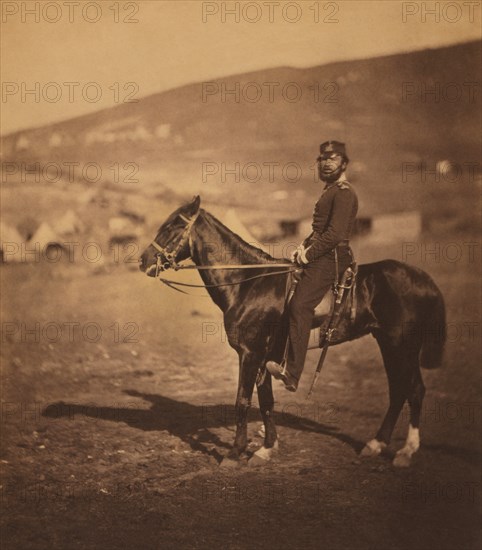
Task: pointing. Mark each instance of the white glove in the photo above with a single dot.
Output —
(293, 256)
(299, 255)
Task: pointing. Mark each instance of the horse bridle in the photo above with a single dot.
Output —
(170, 260)
(170, 257)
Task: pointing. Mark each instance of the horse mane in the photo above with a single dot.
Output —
(244, 247)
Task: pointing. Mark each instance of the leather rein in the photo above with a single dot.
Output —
(170, 261)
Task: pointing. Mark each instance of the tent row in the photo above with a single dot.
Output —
(21, 246)
(16, 249)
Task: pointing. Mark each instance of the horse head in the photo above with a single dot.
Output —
(171, 243)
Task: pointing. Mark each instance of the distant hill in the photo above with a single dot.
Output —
(170, 134)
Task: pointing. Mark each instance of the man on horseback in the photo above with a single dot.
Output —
(324, 255)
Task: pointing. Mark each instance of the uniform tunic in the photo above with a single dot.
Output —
(333, 220)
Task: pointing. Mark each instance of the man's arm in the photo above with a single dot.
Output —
(344, 206)
(305, 241)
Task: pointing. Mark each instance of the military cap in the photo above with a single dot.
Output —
(334, 147)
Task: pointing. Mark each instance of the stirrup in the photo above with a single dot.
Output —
(278, 371)
(281, 373)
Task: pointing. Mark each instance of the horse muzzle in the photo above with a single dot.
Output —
(161, 265)
(151, 271)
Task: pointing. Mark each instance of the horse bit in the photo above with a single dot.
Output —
(170, 256)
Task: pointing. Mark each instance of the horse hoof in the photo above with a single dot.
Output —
(229, 463)
(263, 455)
(372, 448)
(257, 462)
(402, 460)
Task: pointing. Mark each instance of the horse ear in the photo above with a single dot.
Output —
(195, 204)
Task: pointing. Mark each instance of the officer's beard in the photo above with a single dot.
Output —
(330, 177)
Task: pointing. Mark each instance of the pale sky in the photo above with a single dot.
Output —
(171, 45)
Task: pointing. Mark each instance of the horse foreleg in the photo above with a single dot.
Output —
(266, 405)
(248, 369)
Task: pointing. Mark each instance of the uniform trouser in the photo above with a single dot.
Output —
(317, 279)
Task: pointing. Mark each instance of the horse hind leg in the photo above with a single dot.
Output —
(266, 405)
(403, 457)
(397, 366)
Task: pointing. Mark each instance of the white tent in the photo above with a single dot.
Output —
(10, 244)
(45, 236)
(122, 227)
(232, 221)
(87, 196)
(69, 224)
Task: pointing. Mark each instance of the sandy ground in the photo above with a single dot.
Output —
(116, 443)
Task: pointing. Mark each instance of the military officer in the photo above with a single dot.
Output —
(333, 220)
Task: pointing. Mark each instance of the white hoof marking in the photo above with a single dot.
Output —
(265, 453)
(413, 439)
(412, 444)
(373, 448)
(402, 460)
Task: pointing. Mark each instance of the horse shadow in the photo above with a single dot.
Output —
(193, 424)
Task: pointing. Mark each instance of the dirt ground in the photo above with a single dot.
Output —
(114, 427)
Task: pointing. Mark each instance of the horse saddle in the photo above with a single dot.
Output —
(337, 309)
(325, 306)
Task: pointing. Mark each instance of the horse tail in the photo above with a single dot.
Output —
(434, 332)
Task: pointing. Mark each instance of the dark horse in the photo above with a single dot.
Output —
(398, 304)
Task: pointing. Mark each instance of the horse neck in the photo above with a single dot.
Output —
(214, 244)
